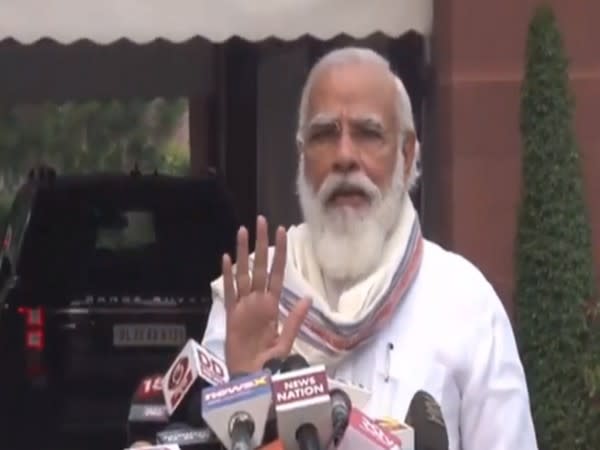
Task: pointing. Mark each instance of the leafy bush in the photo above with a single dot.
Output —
(555, 274)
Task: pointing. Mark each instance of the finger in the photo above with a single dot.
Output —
(259, 274)
(291, 325)
(242, 274)
(278, 265)
(228, 287)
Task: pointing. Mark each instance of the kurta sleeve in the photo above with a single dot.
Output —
(495, 409)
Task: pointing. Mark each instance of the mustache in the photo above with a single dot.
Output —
(356, 183)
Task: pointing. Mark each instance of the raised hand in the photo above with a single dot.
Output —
(252, 312)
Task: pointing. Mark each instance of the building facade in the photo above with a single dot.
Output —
(462, 61)
(475, 158)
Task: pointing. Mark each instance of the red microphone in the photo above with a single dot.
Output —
(365, 434)
(273, 445)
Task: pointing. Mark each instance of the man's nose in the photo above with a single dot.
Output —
(346, 155)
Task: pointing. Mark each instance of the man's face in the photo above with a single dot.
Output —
(351, 178)
(351, 131)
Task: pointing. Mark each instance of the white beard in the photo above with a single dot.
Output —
(348, 243)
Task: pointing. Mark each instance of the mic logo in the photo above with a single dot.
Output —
(211, 368)
(180, 379)
(154, 411)
(233, 389)
(150, 387)
(300, 388)
(181, 437)
(180, 369)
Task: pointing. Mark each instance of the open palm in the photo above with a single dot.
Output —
(252, 304)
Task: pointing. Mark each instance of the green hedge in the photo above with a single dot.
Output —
(555, 274)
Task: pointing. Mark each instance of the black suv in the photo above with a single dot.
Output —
(102, 279)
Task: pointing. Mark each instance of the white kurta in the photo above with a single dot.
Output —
(452, 338)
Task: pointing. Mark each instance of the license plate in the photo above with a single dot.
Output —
(148, 335)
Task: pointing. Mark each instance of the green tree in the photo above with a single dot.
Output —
(83, 137)
(88, 137)
(555, 274)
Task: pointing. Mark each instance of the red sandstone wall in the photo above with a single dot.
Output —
(479, 51)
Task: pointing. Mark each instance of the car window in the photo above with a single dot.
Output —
(129, 230)
(116, 241)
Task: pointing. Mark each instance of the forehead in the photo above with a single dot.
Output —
(353, 90)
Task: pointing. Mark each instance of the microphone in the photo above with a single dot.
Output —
(195, 366)
(358, 394)
(274, 445)
(274, 366)
(188, 437)
(341, 406)
(147, 412)
(425, 416)
(365, 434)
(237, 411)
(302, 406)
(293, 362)
(404, 433)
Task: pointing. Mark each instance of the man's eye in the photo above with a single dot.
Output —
(367, 133)
(321, 134)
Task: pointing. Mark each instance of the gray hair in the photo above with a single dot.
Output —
(358, 55)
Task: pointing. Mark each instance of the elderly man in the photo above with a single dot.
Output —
(357, 288)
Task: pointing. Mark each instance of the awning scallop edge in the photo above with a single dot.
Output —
(143, 21)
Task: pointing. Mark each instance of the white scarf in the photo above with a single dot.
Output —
(327, 336)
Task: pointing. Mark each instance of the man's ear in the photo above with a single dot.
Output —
(409, 152)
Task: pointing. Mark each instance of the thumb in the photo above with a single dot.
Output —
(291, 325)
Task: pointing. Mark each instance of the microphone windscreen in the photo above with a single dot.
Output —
(294, 362)
(273, 365)
(340, 412)
(425, 417)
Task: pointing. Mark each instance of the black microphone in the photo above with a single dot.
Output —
(425, 417)
(307, 434)
(147, 411)
(293, 362)
(341, 406)
(237, 411)
(302, 404)
(274, 366)
(194, 402)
